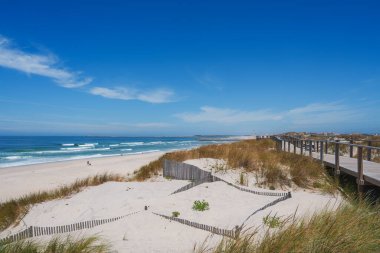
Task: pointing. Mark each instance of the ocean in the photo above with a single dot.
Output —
(23, 150)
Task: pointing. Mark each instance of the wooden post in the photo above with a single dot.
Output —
(310, 147)
(288, 145)
(317, 144)
(326, 147)
(294, 147)
(337, 167)
(351, 148)
(321, 152)
(360, 179)
(369, 150)
(301, 147)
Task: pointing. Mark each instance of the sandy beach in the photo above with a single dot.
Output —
(20, 180)
(229, 207)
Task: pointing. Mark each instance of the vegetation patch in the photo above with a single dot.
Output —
(175, 214)
(201, 205)
(272, 221)
(353, 227)
(270, 167)
(57, 245)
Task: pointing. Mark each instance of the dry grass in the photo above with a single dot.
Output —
(273, 168)
(350, 228)
(57, 245)
(12, 210)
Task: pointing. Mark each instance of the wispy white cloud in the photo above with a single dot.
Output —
(152, 96)
(317, 113)
(225, 115)
(38, 64)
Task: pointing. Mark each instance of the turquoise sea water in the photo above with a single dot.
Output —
(22, 150)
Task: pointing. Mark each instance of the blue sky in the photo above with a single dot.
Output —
(188, 67)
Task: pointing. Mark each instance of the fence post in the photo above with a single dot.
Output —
(294, 146)
(326, 147)
(351, 148)
(30, 234)
(360, 179)
(317, 143)
(288, 145)
(369, 150)
(310, 147)
(321, 152)
(337, 167)
(301, 147)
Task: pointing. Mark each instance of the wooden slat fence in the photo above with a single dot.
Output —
(34, 231)
(193, 184)
(285, 197)
(265, 193)
(212, 229)
(183, 171)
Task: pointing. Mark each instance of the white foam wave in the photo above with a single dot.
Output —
(137, 143)
(88, 145)
(16, 157)
(68, 144)
(144, 152)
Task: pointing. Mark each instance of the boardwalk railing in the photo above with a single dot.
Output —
(212, 229)
(34, 231)
(308, 146)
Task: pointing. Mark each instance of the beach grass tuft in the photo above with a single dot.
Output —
(91, 244)
(275, 169)
(352, 227)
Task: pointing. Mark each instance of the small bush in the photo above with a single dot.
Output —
(272, 221)
(200, 205)
(175, 214)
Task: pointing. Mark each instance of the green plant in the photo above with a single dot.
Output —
(241, 181)
(200, 205)
(175, 214)
(272, 221)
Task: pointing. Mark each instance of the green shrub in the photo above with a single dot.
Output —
(272, 221)
(200, 205)
(175, 214)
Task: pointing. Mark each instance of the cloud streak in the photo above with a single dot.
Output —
(225, 115)
(155, 96)
(38, 64)
(317, 113)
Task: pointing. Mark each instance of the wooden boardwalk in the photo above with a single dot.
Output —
(366, 172)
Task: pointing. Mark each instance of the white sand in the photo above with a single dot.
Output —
(146, 232)
(20, 180)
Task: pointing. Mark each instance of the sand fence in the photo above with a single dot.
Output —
(34, 231)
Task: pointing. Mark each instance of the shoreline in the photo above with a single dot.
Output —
(85, 158)
(17, 181)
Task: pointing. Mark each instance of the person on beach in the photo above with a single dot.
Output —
(88, 163)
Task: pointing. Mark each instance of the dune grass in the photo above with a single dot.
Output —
(11, 211)
(274, 169)
(57, 245)
(353, 227)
